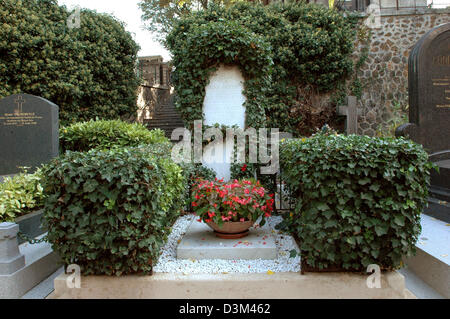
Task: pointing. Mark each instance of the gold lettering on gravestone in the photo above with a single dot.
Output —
(441, 60)
(443, 83)
(19, 118)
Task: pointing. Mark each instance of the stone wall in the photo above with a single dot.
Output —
(155, 89)
(385, 73)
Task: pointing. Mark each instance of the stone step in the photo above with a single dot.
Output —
(40, 263)
(432, 260)
(286, 285)
(200, 242)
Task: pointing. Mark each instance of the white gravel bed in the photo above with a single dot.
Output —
(168, 262)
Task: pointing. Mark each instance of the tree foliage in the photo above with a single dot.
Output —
(280, 48)
(88, 71)
(161, 14)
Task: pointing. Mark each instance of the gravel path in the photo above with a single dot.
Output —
(168, 263)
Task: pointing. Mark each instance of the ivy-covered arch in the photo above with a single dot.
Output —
(287, 53)
(199, 49)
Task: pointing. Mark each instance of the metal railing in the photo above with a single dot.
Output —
(362, 5)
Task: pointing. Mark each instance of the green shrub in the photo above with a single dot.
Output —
(82, 137)
(87, 71)
(358, 199)
(191, 173)
(111, 211)
(281, 49)
(20, 195)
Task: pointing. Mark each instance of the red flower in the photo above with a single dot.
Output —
(244, 168)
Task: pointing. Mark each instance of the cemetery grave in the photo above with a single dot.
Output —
(429, 116)
(336, 218)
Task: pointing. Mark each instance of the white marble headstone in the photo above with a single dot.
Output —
(223, 104)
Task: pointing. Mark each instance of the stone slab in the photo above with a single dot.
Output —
(40, 262)
(432, 260)
(223, 104)
(200, 242)
(287, 285)
(429, 89)
(417, 286)
(29, 132)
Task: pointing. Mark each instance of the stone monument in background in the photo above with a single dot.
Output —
(429, 111)
(29, 132)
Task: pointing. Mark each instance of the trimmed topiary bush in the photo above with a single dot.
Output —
(88, 71)
(111, 211)
(358, 199)
(82, 137)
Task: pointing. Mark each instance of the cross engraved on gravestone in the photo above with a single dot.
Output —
(19, 101)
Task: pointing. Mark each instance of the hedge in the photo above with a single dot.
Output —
(358, 199)
(281, 49)
(88, 71)
(111, 211)
(84, 136)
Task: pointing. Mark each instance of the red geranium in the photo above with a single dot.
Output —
(219, 201)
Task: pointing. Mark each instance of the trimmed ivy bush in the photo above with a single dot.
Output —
(105, 134)
(20, 195)
(111, 211)
(280, 48)
(358, 199)
(88, 71)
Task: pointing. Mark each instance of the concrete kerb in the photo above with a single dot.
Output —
(238, 286)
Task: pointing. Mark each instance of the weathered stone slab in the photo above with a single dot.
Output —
(287, 285)
(29, 132)
(200, 242)
(223, 104)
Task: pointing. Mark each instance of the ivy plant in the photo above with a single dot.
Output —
(279, 48)
(111, 211)
(357, 199)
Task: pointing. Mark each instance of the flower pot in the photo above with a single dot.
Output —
(231, 230)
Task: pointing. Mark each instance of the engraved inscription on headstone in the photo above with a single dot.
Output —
(29, 132)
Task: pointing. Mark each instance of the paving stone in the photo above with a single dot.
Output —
(200, 242)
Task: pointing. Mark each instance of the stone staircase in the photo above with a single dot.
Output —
(166, 118)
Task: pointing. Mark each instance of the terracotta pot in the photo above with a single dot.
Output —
(231, 230)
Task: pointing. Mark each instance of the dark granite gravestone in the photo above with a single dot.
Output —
(429, 111)
(29, 132)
